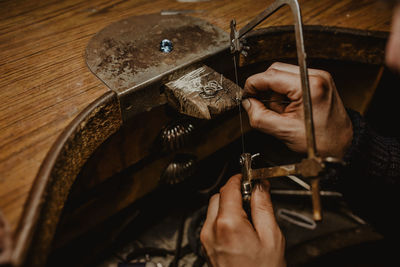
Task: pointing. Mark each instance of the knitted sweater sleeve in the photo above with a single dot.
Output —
(371, 179)
(372, 154)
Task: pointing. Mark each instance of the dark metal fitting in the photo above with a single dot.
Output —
(236, 46)
(310, 167)
(247, 188)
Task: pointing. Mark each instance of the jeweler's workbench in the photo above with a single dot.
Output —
(56, 115)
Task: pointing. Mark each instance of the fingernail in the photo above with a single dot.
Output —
(259, 187)
(246, 104)
(263, 186)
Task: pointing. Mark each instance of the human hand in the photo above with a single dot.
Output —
(231, 240)
(332, 126)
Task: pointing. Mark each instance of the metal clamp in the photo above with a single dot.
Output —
(311, 168)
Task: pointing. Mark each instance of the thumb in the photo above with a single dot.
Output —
(262, 211)
(262, 118)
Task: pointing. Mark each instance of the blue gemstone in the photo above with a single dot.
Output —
(166, 46)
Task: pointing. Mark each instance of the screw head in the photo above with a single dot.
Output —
(166, 46)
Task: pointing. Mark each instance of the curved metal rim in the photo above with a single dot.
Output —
(311, 32)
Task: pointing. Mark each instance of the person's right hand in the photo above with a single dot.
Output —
(231, 240)
(333, 128)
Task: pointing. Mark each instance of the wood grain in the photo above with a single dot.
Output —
(45, 84)
(58, 173)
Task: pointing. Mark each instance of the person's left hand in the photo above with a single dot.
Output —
(231, 240)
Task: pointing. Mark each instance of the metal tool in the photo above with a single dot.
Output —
(312, 166)
(296, 218)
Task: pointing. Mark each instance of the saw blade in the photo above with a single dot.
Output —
(239, 102)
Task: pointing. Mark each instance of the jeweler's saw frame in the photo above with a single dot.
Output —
(312, 166)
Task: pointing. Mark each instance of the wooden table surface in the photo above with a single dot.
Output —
(45, 83)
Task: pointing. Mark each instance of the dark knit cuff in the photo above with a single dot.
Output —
(370, 153)
(333, 178)
(360, 136)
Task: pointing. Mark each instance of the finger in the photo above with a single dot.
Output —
(296, 70)
(212, 213)
(319, 80)
(286, 67)
(264, 119)
(279, 81)
(277, 103)
(207, 231)
(230, 204)
(262, 211)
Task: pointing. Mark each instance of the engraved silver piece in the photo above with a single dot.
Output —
(210, 90)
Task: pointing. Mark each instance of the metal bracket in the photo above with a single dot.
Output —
(136, 56)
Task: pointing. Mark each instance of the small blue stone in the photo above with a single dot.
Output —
(166, 46)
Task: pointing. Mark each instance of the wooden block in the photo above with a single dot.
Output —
(203, 93)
